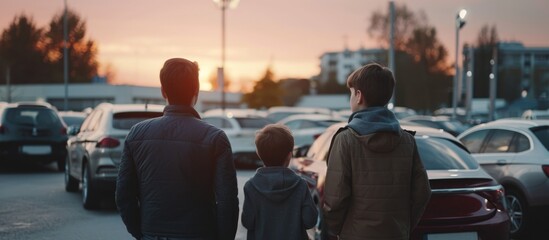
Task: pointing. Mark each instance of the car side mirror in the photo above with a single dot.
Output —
(301, 151)
(73, 130)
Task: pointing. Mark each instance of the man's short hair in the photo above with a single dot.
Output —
(375, 82)
(179, 79)
(273, 143)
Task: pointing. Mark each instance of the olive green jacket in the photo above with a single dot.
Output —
(376, 185)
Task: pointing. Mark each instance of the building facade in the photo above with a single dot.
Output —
(521, 72)
(338, 65)
(81, 96)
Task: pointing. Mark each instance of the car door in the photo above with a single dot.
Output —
(496, 155)
(79, 146)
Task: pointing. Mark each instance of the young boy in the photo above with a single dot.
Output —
(277, 202)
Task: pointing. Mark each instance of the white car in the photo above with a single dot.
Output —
(240, 127)
(516, 153)
(307, 127)
(276, 114)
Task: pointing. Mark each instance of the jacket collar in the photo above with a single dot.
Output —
(180, 110)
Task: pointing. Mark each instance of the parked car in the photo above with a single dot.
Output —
(94, 152)
(453, 127)
(276, 114)
(240, 128)
(403, 112)
(73, 120)
(33, 132)
(516, 153)
(307, 127)
(466, 202)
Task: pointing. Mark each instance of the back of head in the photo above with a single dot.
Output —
(375, 82)
(274, 142)
(179, 79)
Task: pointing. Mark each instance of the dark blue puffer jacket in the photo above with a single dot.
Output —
(177, 178)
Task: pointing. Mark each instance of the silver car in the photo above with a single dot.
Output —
(240, 127)
(516, 153)
(95, 150)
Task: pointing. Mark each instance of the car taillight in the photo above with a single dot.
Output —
(108, 142)
(496, 198)
(545, 170)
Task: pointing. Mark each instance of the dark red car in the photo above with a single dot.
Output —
(466, 203)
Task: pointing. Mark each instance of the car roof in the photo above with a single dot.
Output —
(420, 131)
(517, 123)
(428, 118)
(115, 108)
(231, 114)
(29, 104)
(299, 109)
(313, 117)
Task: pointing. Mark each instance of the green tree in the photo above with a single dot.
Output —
(422, 70)
(83, 64)
(21, 50)
(266, 93)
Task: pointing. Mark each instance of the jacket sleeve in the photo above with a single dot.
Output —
(309, 212)
(420, 191)
(337, 189)
(127, 198)
(226, 190)
(248, 211)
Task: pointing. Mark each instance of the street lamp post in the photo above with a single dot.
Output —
(460, 22)
(65, 58)
(224, 5)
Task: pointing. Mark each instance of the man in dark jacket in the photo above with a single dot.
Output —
(177, 178)
(376, 185)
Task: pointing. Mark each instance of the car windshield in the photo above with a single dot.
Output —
(442, 154)
(542, 133)
(73, 120)
(126, 120)
(255, 123)
(32, 117)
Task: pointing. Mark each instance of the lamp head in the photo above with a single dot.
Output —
(462, 14)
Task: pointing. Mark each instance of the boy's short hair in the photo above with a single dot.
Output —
(179, 79)
(273, 143)
(375, 82)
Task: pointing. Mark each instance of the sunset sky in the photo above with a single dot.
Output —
(137, 36)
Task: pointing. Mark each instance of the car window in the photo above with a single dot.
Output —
(542, 133)
(73, 120)
(254, 123)
(499, 141)
(442, 154)
(219, 122)
(308, 124)
(293, 125)
(474, 140)
(32, 117)
(520, 143)
(126, 120)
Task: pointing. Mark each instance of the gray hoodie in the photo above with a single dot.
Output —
(277, 205)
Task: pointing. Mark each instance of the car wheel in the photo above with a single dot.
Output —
(71, 183)
(61, 164)
(90, 197)
(518, 213)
